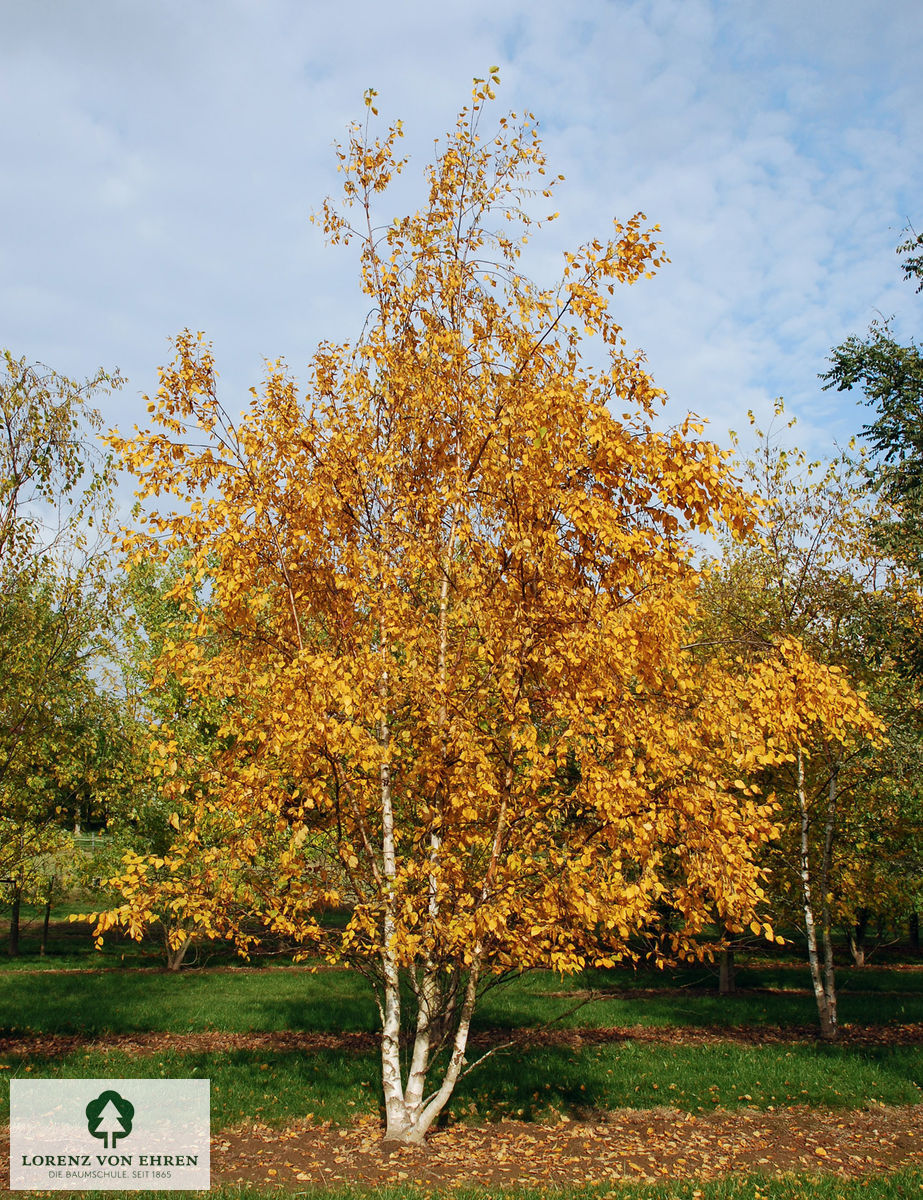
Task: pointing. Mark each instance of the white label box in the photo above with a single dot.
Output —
(96, 1134)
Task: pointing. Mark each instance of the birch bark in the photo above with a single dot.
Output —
(821, 976)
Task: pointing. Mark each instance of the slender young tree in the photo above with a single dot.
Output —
(814, 574)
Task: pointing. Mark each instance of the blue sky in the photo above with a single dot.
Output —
(161, 157)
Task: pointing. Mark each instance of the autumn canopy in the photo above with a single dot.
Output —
(439, 609)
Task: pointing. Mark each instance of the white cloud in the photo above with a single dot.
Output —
(163, 158)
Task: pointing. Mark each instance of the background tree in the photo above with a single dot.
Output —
(890, 377)
(198, 897)
(55, 617)
(445, 603)
(816, 573)
(53, 482)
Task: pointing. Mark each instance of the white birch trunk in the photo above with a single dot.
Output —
(391, 1023)
(434, 1105)
(428, 989)
(825, 1011)
(829, 972)
(410, 1119)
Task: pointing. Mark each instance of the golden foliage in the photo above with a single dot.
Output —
(447, 596)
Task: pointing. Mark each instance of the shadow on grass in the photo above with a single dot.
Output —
(541, 1084)
(115, 1002)
(269, 1087)
(95, 1003)
(645, 997)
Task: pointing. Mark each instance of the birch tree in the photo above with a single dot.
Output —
(813, 574)
(444, 598)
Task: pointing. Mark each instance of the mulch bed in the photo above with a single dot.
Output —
(53, 1045)
(631, 1145)
(625, 1145)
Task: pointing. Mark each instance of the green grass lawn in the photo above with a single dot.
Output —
(335, 1085)
(896, 1186)
(129, 1000)
(693, 1002)
(548, 1083)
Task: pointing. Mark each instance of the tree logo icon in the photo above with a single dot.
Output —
(109, 1116)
